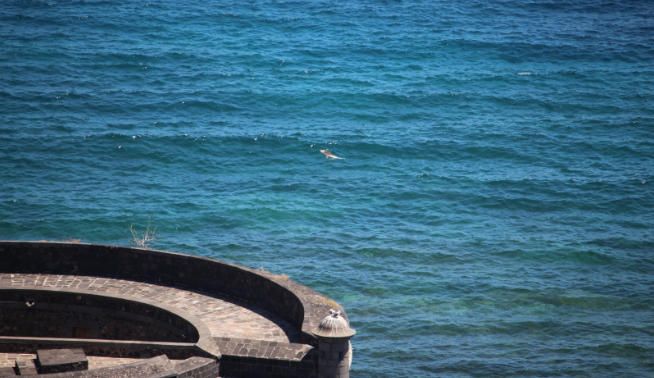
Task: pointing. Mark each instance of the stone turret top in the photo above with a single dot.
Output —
(334, 325)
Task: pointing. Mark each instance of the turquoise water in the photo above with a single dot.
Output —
(493, 214)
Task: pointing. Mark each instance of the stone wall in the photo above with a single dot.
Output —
(155, 367)
(59, 314)
(257, 358)
(163, 268)
(302, 307)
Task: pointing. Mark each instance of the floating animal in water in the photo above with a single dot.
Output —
(329, 155)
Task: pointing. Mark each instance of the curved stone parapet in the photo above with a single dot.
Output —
(260, 319)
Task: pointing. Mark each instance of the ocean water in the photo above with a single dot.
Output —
(493, 215)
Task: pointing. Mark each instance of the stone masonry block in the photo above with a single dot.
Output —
(61, 360)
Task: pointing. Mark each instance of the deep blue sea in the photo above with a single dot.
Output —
(493, 215)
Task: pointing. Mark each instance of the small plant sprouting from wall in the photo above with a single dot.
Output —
(142, 240)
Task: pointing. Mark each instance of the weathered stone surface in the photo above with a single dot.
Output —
(196, 367)
(222, 317)
(158, 367)
(61, 360)
(7, 372)
(263, 349)
(250, 323)
(25, 367)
